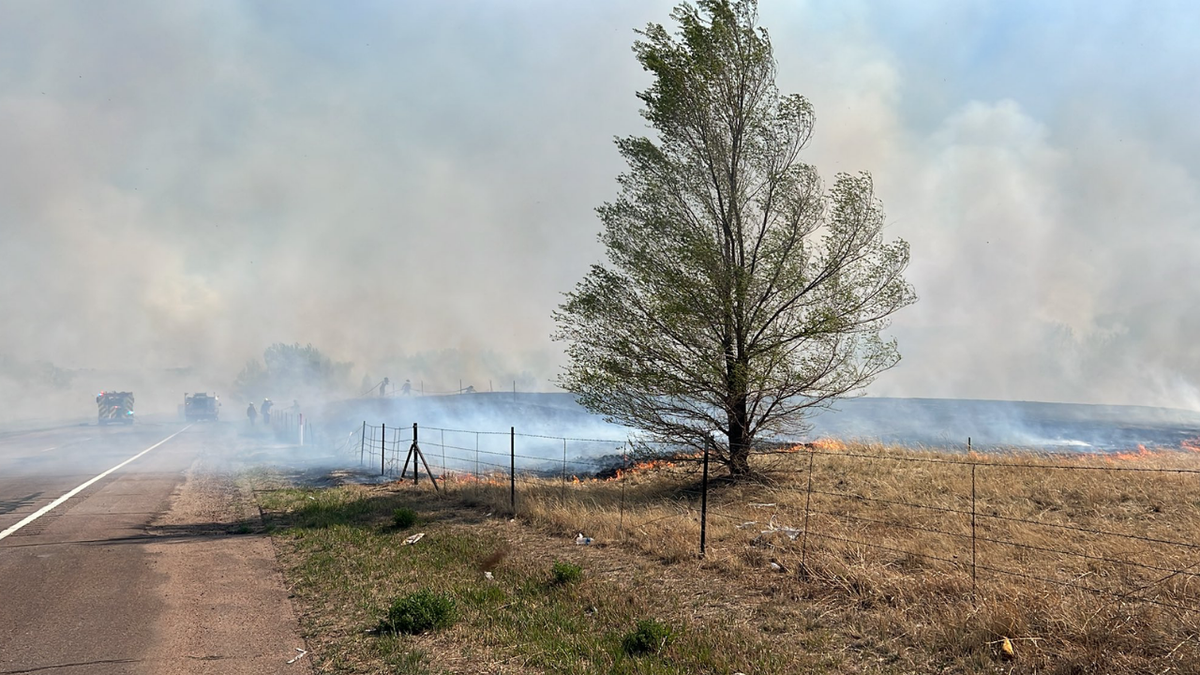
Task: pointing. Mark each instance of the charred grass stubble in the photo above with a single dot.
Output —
(881, 582)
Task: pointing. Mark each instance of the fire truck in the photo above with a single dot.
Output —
(115, 407)
(201, 406)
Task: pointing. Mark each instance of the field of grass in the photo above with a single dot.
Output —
(346, 564)
(865, 564)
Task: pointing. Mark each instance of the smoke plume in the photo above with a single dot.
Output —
(186, 184)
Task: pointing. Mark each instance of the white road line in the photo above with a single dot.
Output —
(46, 509)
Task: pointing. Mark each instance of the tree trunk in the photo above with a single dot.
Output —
(739, 436)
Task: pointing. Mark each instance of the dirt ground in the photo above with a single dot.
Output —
(227, 608)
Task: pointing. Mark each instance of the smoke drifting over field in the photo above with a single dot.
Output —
(184, 185)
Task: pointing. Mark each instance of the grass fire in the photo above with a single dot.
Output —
(838, 557)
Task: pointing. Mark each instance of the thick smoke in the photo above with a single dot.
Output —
(1041, 160)
(184, 185)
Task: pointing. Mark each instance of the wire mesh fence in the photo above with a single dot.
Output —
(1102, 527)
(1081, 524)
(290, 426)
(462, 457)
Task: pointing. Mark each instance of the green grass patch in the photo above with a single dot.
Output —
(566, 573)
(403, 518)
(317, 509)
(650, 637)
(420, 612)
(363, 593)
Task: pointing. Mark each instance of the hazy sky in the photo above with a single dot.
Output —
(183, 183)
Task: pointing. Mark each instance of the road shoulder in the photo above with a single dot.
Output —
(227, 609)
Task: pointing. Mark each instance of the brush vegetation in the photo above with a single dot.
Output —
(649, 637)
(1080, 567)
(419, 612)
(403, 518)
(566, 572)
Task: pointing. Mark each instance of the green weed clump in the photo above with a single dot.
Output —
(566, 573)
(420, 612)
(649, 637)
(404, 518)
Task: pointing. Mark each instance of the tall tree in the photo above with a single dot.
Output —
(739, 294)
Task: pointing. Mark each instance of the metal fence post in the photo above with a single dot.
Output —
(704, 504)
(563, 487)
(383, 450)
(973, 569)
(416, 447)
(623, 474)
(362, 444)
(512, 470)
(807, 501)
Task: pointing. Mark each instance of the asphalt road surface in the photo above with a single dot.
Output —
(121, 553)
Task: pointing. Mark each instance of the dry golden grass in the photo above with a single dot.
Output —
(1080, 564)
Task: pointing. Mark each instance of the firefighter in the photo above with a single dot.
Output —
(406, 390)
(383, 387)
(251, 413)
(265, 409)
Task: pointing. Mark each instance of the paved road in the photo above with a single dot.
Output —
(142, 570)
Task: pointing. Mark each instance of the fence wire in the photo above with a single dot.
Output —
(965, 530)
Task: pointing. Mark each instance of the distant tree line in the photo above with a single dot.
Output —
(441, 370)
(35, 373)
(292, 371)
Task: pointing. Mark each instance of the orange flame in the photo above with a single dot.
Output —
(649, 465)
(829, 445)
(1192, 444)
(1142, 453)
